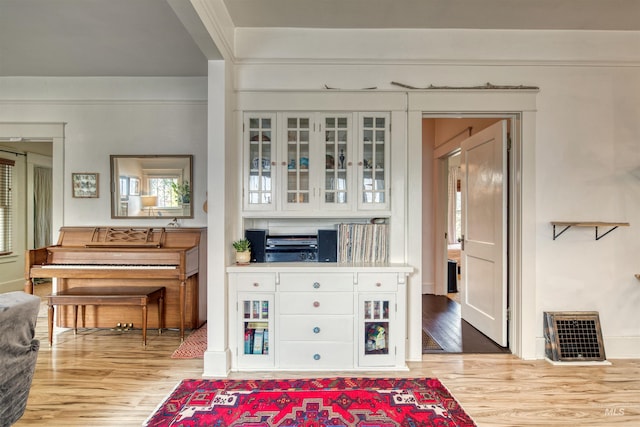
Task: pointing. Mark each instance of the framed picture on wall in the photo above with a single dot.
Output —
(134, 186)
(124, 188)
(85, 184)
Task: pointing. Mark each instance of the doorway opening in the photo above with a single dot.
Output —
(443, 317)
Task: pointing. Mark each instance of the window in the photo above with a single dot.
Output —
(6, 205)
(164, 189)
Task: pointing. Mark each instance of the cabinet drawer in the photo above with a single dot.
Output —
(316, 328)
(321, 355)
(305, 282)
(319, 303)
(378, 282)
(258, 282)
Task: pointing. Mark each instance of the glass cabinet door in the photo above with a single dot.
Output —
(337, 153)
(376, 316)
(374, 149)
(260, 159)
(298, 149)
(256, 331)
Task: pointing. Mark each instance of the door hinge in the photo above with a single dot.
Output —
(508, 143)
(508, 314)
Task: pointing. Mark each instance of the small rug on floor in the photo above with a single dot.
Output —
(429, 344)
(194, 346)
(367, 402)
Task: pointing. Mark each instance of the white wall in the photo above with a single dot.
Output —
(106, 116)
(587, 139)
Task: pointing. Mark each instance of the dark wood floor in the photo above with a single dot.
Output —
(441, 319)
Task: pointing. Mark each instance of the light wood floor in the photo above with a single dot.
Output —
(106, 378)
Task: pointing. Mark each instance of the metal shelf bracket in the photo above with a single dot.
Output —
(556, 235)
(567, 225)
(604, 234)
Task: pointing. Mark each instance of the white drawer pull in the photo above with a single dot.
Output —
(316, 304)
(316, 356)
(316, 330)
(316, 285)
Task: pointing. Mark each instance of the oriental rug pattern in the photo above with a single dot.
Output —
(362, 402)
(194, 346)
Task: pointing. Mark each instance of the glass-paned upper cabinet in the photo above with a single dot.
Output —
(260, 161)
(298, 131)
(373, 165)
(337, 155)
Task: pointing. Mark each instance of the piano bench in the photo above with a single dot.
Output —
(110, 295)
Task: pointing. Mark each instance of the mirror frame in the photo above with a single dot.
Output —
(134, 186)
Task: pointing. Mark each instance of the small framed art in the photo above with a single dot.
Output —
(85, 184)
(134, 186)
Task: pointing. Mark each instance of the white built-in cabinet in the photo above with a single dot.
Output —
(301, 317)
(311, 162)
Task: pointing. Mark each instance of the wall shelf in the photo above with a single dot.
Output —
(596, 224)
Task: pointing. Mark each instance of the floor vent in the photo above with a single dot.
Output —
(573, 336)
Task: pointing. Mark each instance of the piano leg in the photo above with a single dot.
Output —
(144, 325)
(28, 286)
(75, 319)
(50, 318)
(161, 313)
(183, 291)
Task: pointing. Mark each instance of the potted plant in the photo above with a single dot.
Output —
(243, 252)
(182, 192)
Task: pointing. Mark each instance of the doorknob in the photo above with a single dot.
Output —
(461, 240)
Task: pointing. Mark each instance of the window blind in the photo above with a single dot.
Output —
(6, 176)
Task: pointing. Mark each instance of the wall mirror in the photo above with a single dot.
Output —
(151, 186)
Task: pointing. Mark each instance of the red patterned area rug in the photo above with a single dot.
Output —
(362, 402)
(194, 346)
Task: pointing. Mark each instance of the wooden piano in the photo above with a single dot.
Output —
(116, 256)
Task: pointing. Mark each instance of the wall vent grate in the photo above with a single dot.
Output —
(573, 336)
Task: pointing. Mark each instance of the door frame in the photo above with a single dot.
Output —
(521, 263)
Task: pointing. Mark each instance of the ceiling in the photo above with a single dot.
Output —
(156, 37)
(476, 14)
(96, 38)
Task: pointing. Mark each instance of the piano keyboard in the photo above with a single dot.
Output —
(110, 266)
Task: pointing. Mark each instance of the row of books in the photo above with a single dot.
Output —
(256, 338)
(367, 243)
(256, 309)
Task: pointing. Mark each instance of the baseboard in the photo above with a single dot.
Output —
(428, 288)
(11, 286)
(217, 364)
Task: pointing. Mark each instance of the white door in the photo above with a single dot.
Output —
(484, 212)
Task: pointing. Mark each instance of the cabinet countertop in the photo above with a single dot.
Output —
(325, 267)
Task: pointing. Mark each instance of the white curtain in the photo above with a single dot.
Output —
(454, 176)
(42, 188)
